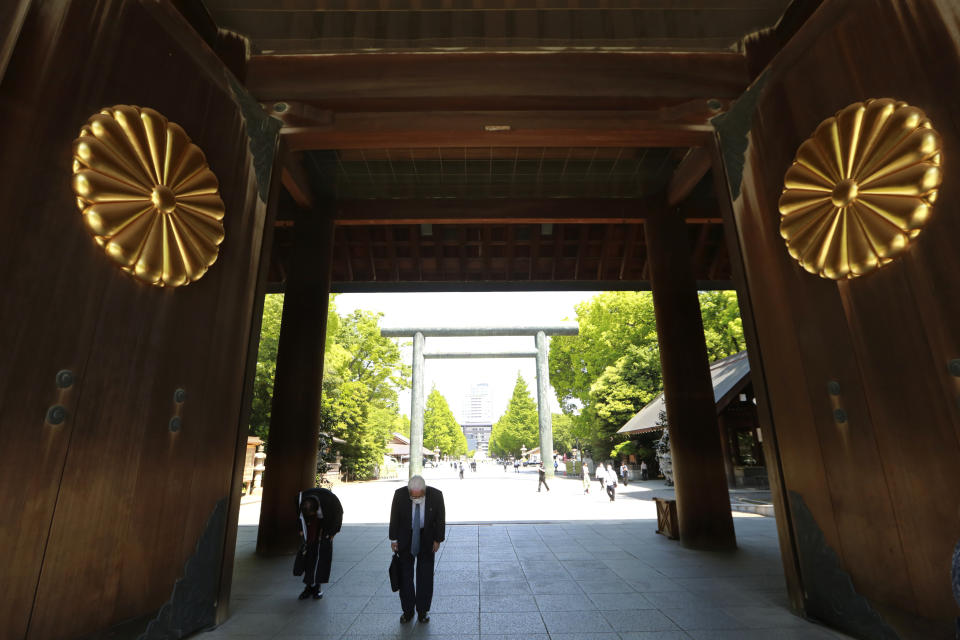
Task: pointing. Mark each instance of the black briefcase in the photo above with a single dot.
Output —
(300, 561)
(395, 573)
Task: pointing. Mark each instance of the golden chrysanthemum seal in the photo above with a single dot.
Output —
(147, 195)
(860, 188)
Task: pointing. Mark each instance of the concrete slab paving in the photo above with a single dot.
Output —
(521, 565)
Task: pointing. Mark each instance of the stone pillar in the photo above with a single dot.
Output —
(416, 408)
(543, 405)
(703, 502)
(291, 463)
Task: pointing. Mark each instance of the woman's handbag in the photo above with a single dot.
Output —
(300, 561)
(395, 573)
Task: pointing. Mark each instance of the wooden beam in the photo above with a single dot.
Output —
(535, 234)
(295, 180)
(688, 174)
(353, 213)
(485, 251)
(445, 129)
(628, 244)
(558, 232)
(391, 81)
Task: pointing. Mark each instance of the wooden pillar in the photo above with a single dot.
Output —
(725, 446)
(703, 502)
(291, 463)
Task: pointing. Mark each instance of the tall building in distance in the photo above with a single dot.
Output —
(477, 422)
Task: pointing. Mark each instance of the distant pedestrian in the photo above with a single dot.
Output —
(600, 475)
(624, 473)
(611, 479)
(516, 466)
(556, 465)
(543, 478)
(643, 469)
(461, 471)
(585, 476)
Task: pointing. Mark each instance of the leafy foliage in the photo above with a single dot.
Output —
(358, 396)
(440, 427)
(362, 372)
(608, 372)
(563, 435)
(518, 426)
(266, 366)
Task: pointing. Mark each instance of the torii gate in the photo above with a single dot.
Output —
(543, 375)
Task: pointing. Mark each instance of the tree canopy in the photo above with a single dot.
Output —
(518, 426)
(266, 366)
(362, 372)
(440, 428)
(358, 397)
(608, 372)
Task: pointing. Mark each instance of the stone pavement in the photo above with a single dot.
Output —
(571, 577)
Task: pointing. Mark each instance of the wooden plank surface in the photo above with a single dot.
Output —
(352, 82)
(885, 337)
(112, 503)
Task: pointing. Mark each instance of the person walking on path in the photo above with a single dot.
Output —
(643, 469)
(611, 479)
(516, 466)
(321, 517)
(543, 478)
(601, 475)
(585, 476)
(418, 525)
(461, 471)
(624, 472)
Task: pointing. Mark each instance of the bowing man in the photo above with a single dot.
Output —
(417, 527)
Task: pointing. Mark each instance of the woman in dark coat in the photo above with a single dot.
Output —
(321, 517)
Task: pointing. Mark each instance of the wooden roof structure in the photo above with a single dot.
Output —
(728, 376)
(526, 156)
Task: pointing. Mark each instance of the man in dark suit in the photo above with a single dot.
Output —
(321, 517)
(418, 525)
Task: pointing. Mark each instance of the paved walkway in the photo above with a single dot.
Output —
(592, 570)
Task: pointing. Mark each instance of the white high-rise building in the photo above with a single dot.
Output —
(477, 422)
(476, 405)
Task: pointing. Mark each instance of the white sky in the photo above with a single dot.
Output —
(453, 378)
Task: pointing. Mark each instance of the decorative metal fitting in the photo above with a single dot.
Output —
(279, 107)
(175, 423)
(179, 396)
(56, 414)
(65, 379)
(833, 388)
(954, 367)
(840, 415)
(861, 188)
(147, 195)
(714, 104)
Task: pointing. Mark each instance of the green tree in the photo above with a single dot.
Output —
(518, 426)
(608, 372)
(362, 372)
(440, 427)
(563, 434)
(266, 366)
(722, 326)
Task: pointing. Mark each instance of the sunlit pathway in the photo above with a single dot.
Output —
(594, 570)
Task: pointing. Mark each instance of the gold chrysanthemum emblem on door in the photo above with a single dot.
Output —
(860, 188)
(147, 195)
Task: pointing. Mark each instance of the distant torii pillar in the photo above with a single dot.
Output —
(543, 375)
